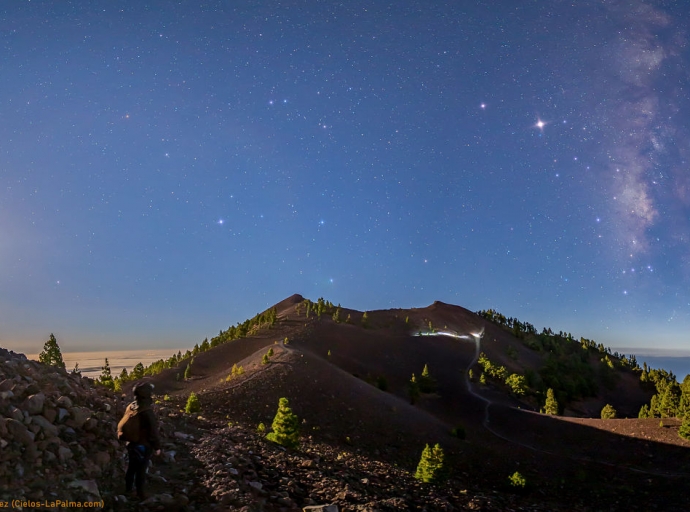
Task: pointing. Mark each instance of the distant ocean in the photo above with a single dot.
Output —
(91, 363)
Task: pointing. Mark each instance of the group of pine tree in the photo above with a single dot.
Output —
(568, 374)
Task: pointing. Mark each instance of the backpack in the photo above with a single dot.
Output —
(129, 427)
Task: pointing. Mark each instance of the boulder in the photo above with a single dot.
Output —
(64, 454)
(47, 427)
(34, 403)
(16, 414)
(90, 486)
(62, 414)
(64, 401)
(90, 424)
(50, 414)
(78, 416)
(18, 431)
(102, 459)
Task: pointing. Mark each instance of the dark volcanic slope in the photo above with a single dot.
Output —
(568, 464)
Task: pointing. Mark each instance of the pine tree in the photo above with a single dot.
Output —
(430, 467)
(426, 383)
(285, 426)
(270, 352)
(51, 354)
(106, 378)
(138, 371)
(365, 319)
(264, 360)
(684, 430)
(551, 405)
(193, 404)
(76, 370)
(188, 371)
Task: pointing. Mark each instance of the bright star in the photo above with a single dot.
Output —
(540, 124)
(220, 221)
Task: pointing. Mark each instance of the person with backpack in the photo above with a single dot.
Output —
(139, 428)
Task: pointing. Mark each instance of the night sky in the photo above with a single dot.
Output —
(169, 169)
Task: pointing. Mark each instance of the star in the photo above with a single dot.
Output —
(540, 124)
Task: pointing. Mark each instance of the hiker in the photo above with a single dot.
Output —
(139, 428)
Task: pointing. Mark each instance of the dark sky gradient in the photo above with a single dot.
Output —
(168, 169)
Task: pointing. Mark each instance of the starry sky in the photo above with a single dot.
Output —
(168, 169)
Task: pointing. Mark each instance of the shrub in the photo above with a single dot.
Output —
(264, 360)
(413, 389)
(235, 371)
(193, 404)
(684, 430)
(270, 352)
(285, 426)
(188, 371)
(608, 412)
(261, 428)
(430, 467)
(644, 412)
(517, 384)
(517, 480)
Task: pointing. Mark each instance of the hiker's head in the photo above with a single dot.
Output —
(143, 390)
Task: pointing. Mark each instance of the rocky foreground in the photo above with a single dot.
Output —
(59, 449)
